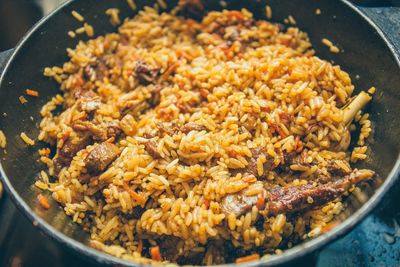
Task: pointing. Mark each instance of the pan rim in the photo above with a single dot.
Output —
(297, 251)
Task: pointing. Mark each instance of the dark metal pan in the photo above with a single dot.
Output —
(368, 55)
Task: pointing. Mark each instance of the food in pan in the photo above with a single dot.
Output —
(202, 142)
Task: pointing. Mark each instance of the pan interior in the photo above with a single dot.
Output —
(366, 57)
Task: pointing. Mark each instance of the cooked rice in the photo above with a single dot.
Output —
(245, 88)
(88, 29)
(332, 47)
(114, 16)
(132, 4)
(291, 20)
(22, 100)
(71, 34)
(80, 30)
(268, 12)
(77, 16)
(3, 140)
(162, 4)
(26, 139)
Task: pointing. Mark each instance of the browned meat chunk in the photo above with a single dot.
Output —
(297, 198)
(169, 247)
(89, 101)
(99, 132)
(288, 200)
(237, 204)
(149, 135)
(96, 70)
(191, 126)
(68, 151)
(151, 148)
(155, 95)
(169, 128)
(101, 157)
(292, 158)
(135, 107)
(145, 72)
(251, 168)
(135, 213)
(334, 168)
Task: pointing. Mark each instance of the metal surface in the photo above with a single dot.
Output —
(366, 245)
(374, 61)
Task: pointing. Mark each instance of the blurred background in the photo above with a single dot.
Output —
(17, 16)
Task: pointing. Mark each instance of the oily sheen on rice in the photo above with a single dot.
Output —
(189, 107)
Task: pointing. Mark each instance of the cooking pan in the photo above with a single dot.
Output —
(368, 56)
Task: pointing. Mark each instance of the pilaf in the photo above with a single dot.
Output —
(201, 142)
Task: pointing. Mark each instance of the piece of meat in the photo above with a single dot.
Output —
(191, 126)
(251, 168)
(237, 204)
(89, 101)
(169, 247)
(155, 98)
(99, 132)
(149, 135)
(135, 107)
(169, 128)
(151, 148)
(304, 197)
(101, 156)
(145, 72)
(113, 129)
(334, 168)
(290, 158)
(96, 70)
(71, 146)
(135, 213)
(286, 200)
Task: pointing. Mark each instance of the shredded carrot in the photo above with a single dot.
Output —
(111, 139)
(79, 81)
(207, 202)
(155, 253)
(140, 246)
(134, 195)
(329, 226)
(169, 71)
(266, 109)
(252, 257)
(44, 152)
(43, 201)
(260, 201)
(31, 92)
(278, 129)
(66, 135)
(299, 144)
(204, 92)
